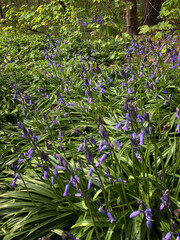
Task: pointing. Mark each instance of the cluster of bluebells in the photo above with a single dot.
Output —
(175, 231)
(146, 211)
(93, 87)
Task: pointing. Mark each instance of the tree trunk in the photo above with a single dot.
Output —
(132, 19)
(150, 11)
(1, 13)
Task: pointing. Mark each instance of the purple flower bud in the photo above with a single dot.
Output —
(110, 180)
(178, 128)
(66, 192)
(141, 137)
(80, 147)
(52, 180)
(135, 213)
(90, 172)
(14, 181)
(126, 125)
(102, 210)
(30, 151)
(55, 173)
(89, 183)
(100, 144)
(103, 148)
(150, 130)
(45, 175)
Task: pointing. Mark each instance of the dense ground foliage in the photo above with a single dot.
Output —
(90, 138)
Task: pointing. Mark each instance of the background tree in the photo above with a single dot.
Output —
(132, 19)
(150, 11)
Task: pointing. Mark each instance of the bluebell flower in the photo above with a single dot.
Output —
(30, 151)
(111, 219)
(102, 210)
(178, 128)
(110, 180)
(148, 216)
(135, 213)
(45, 175)
(90, 172)
(80, 147)
(66, 192)
(89, 183)
(14, 181)
(118, 144)
(102, 158)
(52, 180)
(141, 137)
(126, 125)
(168, 236)
(118, 126)
(103, 148)
(55, 173)
(147, 213)
(150, 130)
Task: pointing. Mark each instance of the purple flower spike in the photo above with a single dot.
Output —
(166, 201)
(102, 132)
(135, 213)
(66, 192)
(178, 237)
(118, 126)
(111, 219)
(88, 155)
(168, 236)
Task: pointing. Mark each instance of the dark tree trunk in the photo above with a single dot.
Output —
(1, 13)
(132, 19)
(150, 10)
